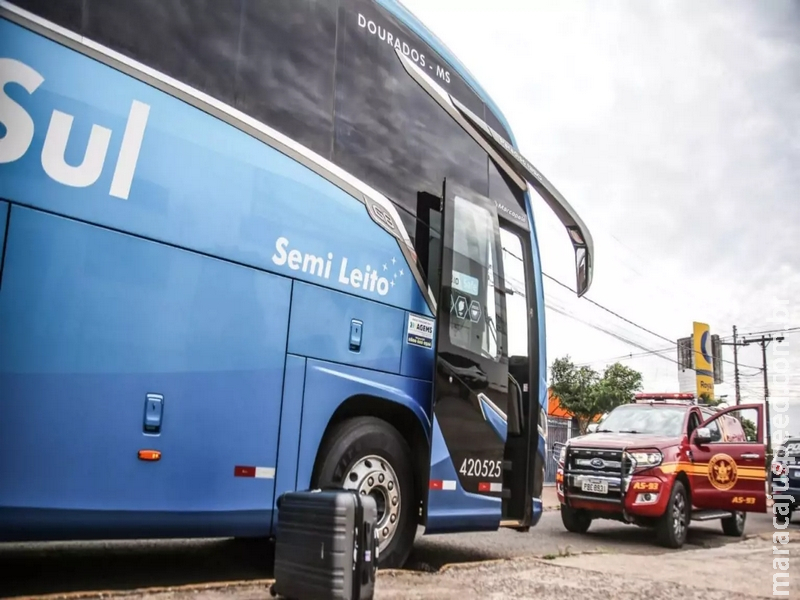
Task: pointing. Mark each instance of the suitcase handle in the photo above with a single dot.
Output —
(328, 488)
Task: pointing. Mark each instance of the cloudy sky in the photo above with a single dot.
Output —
(674, 129)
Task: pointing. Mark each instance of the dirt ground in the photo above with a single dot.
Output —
(736, 571)
(733, 572)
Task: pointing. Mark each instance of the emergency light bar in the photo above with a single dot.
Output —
(665, 398)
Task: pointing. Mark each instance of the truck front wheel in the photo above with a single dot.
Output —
(673, 525)
(575, 521)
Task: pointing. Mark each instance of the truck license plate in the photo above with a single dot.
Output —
(596, 487)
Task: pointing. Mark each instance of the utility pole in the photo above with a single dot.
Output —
(736, 366)
(736, 345)
(764, 341)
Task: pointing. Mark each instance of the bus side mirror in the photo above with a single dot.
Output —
(702, 436)
(583, 270)
(592, 428)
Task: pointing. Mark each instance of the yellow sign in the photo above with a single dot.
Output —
(722, 472)
(703, 359)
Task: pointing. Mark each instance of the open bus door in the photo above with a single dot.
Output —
(473, 394)
(484, 437)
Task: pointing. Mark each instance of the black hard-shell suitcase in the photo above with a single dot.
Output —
(326, 546)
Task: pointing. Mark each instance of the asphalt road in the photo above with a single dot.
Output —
(33, 569)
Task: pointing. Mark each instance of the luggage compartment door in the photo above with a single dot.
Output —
(111, 345)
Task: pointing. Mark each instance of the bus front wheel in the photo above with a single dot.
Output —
(370, 456)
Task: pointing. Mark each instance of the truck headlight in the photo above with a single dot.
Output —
(645, 459)
(562, 456)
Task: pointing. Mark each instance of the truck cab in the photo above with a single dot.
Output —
(663, 463)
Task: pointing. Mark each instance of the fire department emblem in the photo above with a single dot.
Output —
(722, 472)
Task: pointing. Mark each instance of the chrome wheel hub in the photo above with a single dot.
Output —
(374, 476)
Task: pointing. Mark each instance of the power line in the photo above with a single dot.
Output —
(645, 329)
(651, 282)
(608, 310)
(616, 335)
(630, 355)
(606, 331)
(789, 331)
(647, 350)
(614, 313)
(769, 331)
(620, 337)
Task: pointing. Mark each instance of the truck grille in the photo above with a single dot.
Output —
(595, 464)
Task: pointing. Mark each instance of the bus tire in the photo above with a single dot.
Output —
(368, 454)
(734, 526)
(673, 526)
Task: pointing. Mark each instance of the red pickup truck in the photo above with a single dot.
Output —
(664, 464)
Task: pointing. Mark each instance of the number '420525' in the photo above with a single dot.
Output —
(475, 467)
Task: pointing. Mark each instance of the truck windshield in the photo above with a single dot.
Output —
(659, 420)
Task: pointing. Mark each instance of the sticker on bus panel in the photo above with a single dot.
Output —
(420, 331)
(475, 311)
(461, 307)
(465, 283)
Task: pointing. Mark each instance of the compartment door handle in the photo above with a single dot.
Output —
(356, 330)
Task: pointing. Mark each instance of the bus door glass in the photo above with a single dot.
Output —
(525, 473)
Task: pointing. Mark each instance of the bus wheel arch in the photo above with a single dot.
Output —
(388, 429)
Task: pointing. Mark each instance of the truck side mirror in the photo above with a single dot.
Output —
(702, 435)
(592, 428)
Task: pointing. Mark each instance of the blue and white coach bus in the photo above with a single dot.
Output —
(255, 246)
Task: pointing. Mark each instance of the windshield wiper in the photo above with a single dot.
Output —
(630, 431)
(603, 431)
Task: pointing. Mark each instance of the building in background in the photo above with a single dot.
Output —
(699, 361)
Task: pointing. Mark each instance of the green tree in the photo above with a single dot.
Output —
(586, 394)
(750, 430)
(705, 398)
